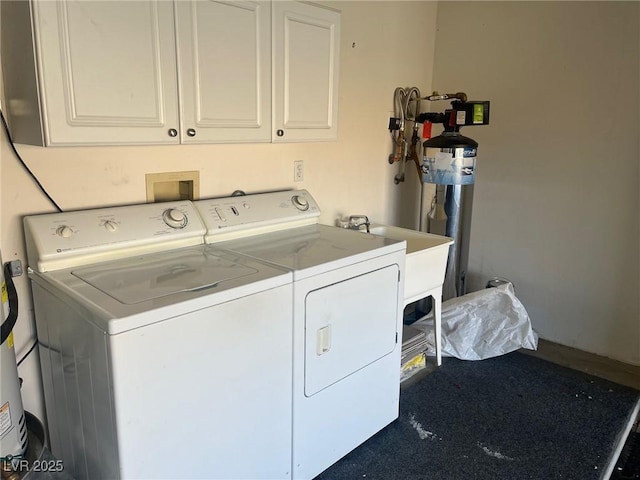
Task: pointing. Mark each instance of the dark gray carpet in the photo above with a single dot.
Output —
(510, 417)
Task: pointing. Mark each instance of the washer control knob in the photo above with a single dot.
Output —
(64, 231)
(110, 226)
(300, 203)
(174, 218)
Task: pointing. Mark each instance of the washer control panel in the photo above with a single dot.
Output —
(258, 212)
(114, 232)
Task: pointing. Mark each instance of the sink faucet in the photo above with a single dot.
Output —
(357, 221)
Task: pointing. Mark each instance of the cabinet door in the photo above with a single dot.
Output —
(225, 71)
(306, 56)
(107, 71)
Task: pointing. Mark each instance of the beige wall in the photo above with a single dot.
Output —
(556, 205)
(348, 176)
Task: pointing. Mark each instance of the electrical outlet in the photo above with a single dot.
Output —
(15, 267)
(298, 170)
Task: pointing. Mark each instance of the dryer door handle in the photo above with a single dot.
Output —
(323, 340)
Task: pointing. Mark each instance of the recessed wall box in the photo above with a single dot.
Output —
(169, 186)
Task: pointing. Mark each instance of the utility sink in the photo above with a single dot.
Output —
(426, 259)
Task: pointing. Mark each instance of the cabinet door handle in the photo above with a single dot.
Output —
(173, 132)
(280, 133)
(191, 132)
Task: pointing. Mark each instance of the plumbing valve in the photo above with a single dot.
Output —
(358, 221)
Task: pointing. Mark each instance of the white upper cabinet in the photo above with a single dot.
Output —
(224, 56)
(122, 72)
(106, 70)
(306, 55)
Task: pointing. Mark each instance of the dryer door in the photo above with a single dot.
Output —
(349, 325)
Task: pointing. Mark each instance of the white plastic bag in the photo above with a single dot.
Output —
(483, 324)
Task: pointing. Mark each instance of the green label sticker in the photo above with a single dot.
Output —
(478, 113)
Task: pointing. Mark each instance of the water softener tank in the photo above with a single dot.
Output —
(449, 162)
(13, 424)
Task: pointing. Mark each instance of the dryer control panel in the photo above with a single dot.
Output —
(232, 217)
(67, 239)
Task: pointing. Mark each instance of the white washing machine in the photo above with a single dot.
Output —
(347, 304)
(161, 357)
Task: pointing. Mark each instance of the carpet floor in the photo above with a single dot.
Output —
(510, 417)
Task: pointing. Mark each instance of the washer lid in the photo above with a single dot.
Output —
(313, 249)
(138, 279)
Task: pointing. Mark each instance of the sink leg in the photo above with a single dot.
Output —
(437, 319)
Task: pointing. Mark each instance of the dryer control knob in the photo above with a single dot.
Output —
(64, 231)
(174, 218)
(300, 203)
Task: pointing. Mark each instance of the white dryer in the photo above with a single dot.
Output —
(161, 357)
(347, 304)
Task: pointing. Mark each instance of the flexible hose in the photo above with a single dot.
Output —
(10, 322)
(402, 98)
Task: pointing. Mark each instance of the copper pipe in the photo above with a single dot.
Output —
(7, 471)
(399, 148)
